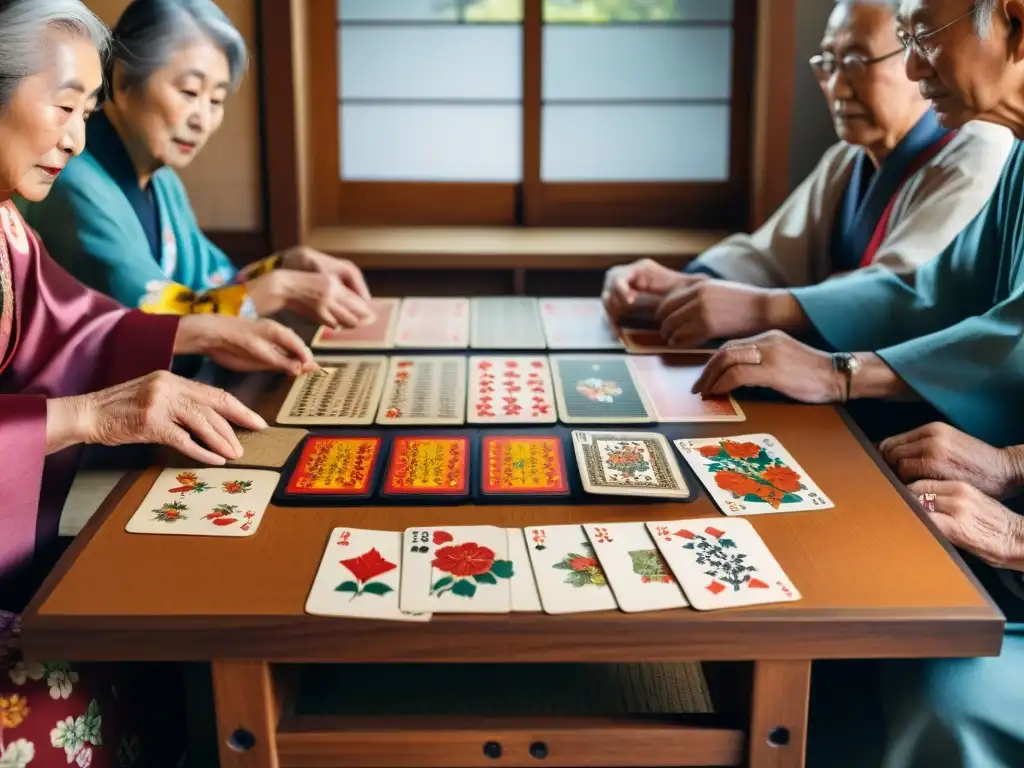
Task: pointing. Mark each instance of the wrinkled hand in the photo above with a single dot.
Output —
(306, 259)
(241, 344)
(694, 313)
(318, 297)
(635, 290)
(163, 408)
(940, 452)
(974, 522)
(773, 360)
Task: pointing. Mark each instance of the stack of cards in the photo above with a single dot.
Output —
(577, 324)
(380, 334)
(433, 323)
(752, 475)
(205, 502)
(506, 322)
(346, 391)
(560, 569)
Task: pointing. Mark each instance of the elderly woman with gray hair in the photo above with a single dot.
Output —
(119, 219)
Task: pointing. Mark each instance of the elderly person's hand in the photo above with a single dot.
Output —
(159, 408)
(305, 259)
(774, 360)
(635, 290)
(241, 344)
(322, 298)
(974, 522)
(941, 452)
(697, 312)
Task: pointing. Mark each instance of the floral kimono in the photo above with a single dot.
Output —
(57, 338)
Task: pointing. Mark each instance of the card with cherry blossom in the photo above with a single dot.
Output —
(360, 576)
(205, 502)
(510, 390)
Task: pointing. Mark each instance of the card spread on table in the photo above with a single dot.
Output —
(380, 334)
(639, 576)
(205, 502)
(597, 389)
(577, 324)
(510, 390)
(506, 322)
(433, 323)
(457, 569)
(525, 596)
(667, 385)
(722, 563)
(752, 475)
(335, 466)
(649, 341)
(523, 464)
(424, 390)
(360, 576)
(423, 464)
(343, 392)
(569, 577)
(628, 464)
(270, 447)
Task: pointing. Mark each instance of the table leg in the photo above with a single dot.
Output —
(778, 721)
(246, 714)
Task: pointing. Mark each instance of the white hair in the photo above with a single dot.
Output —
(983, 10)
(149, 31)
(22, 25)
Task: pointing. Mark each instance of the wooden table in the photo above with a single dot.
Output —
(875, 579)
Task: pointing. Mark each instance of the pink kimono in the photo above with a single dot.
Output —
(57, 338)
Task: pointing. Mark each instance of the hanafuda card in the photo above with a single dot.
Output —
(752, 475)
(628, 464)
(523, 464)
(636, 569)
(510, 390)
(205, 502)
(569, 575)
(335, 466)
(428, 465)
(598, 389)
(379, 334)
(667, 384)
(722, 563)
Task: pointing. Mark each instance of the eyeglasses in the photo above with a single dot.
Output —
(918, 44)
(852, 65)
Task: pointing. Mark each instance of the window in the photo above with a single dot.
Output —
(544, 112)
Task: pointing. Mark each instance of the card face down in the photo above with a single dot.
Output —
(510, 390)
(722, 563)
(424, 390)
(205, 502)
(345, 391)
(667, 384)
(649, 341)
(428, 465)
(577, 323)
(568, 574)
(433, 323)
(506, 322)
(523, 464)
(359, 577)
(752, 475)
(334, 466)
(628, 464)
(270, 447)
(380, 334)
(598, 389)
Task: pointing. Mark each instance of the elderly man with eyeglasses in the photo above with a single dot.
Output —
(892, 193)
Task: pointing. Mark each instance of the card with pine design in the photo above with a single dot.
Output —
(722, 563)
(638, 574)
(205, 502)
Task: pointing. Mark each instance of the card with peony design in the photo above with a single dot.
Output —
(457, 569)
(752, 475)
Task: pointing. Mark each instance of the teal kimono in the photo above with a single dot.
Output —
(956, 337)
(143, 248)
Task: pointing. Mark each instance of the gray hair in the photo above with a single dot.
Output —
(22, 24)
(149, 31)
(983, 10)
(892, 5)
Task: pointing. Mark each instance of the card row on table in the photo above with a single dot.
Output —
(443, 390)
(490, 322)
(706, 564)
(744, 475)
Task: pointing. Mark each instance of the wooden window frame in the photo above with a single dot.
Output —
(299, 64)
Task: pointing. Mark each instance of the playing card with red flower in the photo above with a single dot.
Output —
(335, 466)
(425, 464)
(517, 464)
(510, 390)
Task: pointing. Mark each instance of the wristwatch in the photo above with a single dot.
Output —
(847, 364)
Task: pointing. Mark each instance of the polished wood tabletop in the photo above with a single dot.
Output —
(876, 579)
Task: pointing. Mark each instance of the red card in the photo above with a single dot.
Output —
(668, 382)
(424, 464)
(523, 464)
(377, 335)
(335, 466)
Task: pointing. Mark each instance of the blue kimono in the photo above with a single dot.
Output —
(956, 337)
(142, 247)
